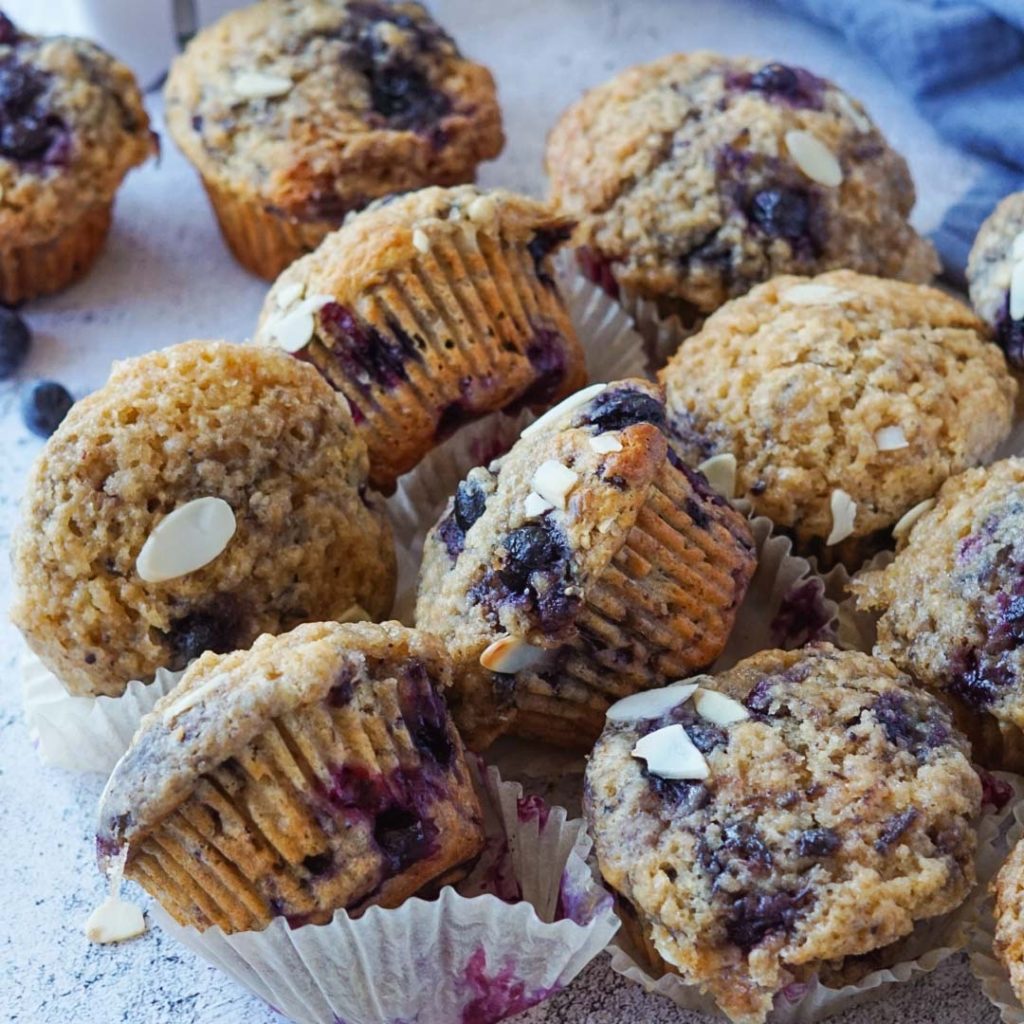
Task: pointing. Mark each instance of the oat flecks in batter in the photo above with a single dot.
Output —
(952, 605)
(247, 425)
(800, 394)
(686, 191)
(836, 815)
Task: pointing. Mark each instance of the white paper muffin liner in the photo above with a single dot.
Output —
(991, 974)
(527, 920)
(929, 945)
(84, 734)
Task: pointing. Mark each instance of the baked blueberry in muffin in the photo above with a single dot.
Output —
(764, 824)
(317, 772)
(427, 311)
(697, 176)
(586, 564)
(206, 494)
(72, 125)
(295, 112)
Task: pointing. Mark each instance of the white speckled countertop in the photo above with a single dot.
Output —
(166, 277)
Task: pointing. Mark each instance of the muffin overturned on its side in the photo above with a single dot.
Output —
(427, 311)
(801, 808)
(952, 607)
(73, 126)
(586, 564)
(318, 771)
(846, 400)
(295, 112)
(995, 276)
(696, 176)
(206, 494)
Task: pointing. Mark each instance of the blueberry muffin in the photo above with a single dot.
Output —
(72, 126)
(586, 564)
(995, 276)
(295, 112)
(317, 772)
(762, 825)
(845, 399)
(1008, 889)
(952, 606)
(427, 311)
(697, 176)
(206, 494)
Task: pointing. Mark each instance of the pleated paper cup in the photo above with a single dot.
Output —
(528, 919)
(84, 734)
(992, 975)
(930, 944)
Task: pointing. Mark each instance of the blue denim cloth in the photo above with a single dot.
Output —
(962, 61)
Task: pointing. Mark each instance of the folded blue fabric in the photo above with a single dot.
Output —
(962, 61)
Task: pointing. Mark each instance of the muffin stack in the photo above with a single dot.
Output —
(764, 824)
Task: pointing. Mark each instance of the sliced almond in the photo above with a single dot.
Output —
(844, 515)
(906, 521)
(553, 482)
(420, 240)
(605, 444)
(1017, 248)
(1017, 292)
(189, 538)
(114, 920)
(288, 294)
(719, 708)
(295, 329)
(258, 85)
(354, 613)
(814, 158)
(189, 699)
(860, 120)
(534, 505)
(650, 703)
(811, 294)
(481, 209)
(670, 754)
(891, 439)
(509, 654)
(565, 406)
(720, 471)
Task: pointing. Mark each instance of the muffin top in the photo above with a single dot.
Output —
(1008, 889)
(314, 107)
(953, 598)
(428, 310)
(997, 252)
(256, 458)
(509, 570)
(845, 399)
(802, 807)
(72, 125)
(696, 176)
(224, 701)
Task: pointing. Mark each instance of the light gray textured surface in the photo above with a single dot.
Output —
(166, 277)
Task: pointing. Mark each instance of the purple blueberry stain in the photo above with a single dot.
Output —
(781, 212)
(910, 724)
(995, 792)
(533, 808)
(817, 842)
(598, 269)
(369, 356)
(895, 828)
(425, 715)
(795, 86)
(546, 354)
(495, 996)
(755, 916)
(802, 617)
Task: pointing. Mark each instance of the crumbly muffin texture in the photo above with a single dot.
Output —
(73, 125)
(689, 186)
(429, 310)
(997, 251)
(314, 107)
(834, 816)
(840, 388)
(633, 579)
(952, 605)
(1008, 889)
(321, 763)
(247, 425)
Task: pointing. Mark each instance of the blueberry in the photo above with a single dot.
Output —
(760, 698)
(894, 828)
(423, 710)
(26, 138)
(15, 339)
(403, 95)
(367, 354)
(401, 837)
(318, 863)
(817, 842)
(616, 408)
(598, 269)
(19, 86)
(775, 78)
(543, 243)
(1010, 336)
(781, 212)
(8, 31)
(215, 627)
(44, 406)
(529, 548)
(758, 915)
(470, 501)
(546, 353)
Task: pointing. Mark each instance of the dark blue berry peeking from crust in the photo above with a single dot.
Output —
(544, 242)
(617, 408)
(757, 915)
(44, 406)
(1010, 336)
(15, 340)
(217, 627)
(793, 86)
(467, 507)
(30, 132)
(781, 212)
(910, 725)
(369, 356)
